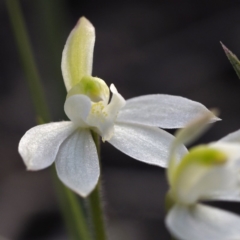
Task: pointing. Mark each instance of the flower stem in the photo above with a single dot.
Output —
(95, 203)
(27, 60)
(70, 205)
(72, 211)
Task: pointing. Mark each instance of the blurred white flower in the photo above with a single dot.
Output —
(207, 172)
(131, 126)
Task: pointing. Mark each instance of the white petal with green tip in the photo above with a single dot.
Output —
(185, 136)
(205, 171)
(77, 55)
(227, 182)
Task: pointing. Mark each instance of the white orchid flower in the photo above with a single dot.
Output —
(207, 172)
(131, 126)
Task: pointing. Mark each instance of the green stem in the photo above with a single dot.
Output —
(72, 211)
(95, 203)
(27, 60)
(70, 205)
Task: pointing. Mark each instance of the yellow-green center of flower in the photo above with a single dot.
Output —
(98, 110)
(95, 88)
(203, 156)
(192, 170)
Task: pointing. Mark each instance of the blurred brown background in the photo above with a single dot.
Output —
(142, 47)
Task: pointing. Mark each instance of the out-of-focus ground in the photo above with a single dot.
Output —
(142, 47)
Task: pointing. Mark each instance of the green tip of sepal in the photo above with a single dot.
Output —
(233, 59)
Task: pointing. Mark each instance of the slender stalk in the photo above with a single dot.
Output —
(52, 24)
(95, 203)
(27, 60)
(97, 214)
(71, 209)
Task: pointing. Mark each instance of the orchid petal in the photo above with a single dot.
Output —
(227, 181)
(200, 222)
(77, 162)
(227, 195)
(232, 137)
(144, 143)
(162, 110)
(185, 136)
(231, 150)
(39, 145)
(117, 102)
(213, 173)
(77, 55)
(77, 108)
